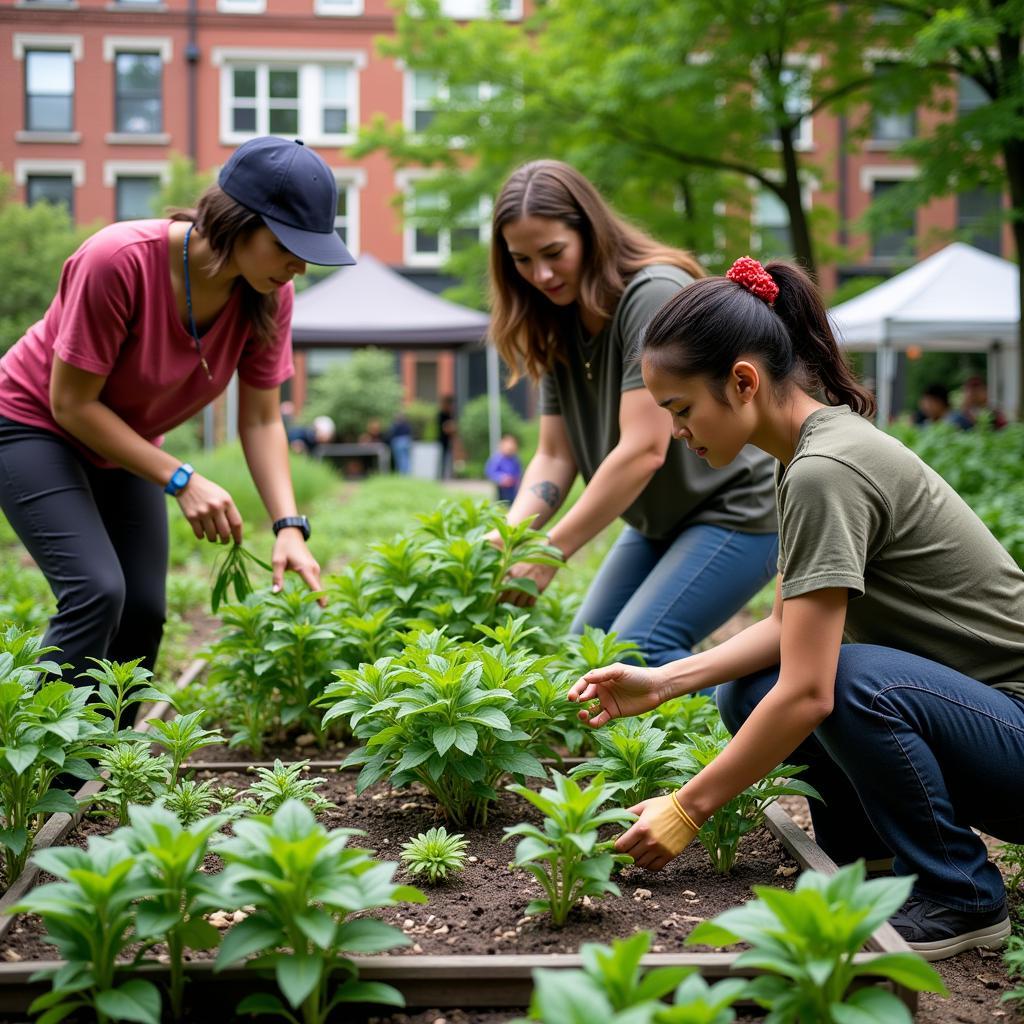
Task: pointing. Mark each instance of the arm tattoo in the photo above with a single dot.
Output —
(548, 492)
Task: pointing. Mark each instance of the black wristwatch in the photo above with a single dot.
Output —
(299, 522)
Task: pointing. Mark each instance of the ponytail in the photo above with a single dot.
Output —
(711, 324)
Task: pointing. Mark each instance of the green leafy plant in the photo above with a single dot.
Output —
(181, 737)
(435, 854)
(594, 649)
(304, 882)
(681, 717)
(119, 686)
(48, 728)
(1012, 856)
(806, 941)
(89, 915)
(635, 760)
(232, 573)
(275, 786)
(566, 856)
(1013, 957)
(169, 857)
(720, 835)
(611, 987)
(191, 801)
(135, 777)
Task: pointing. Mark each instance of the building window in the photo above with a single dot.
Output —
(427, 377)
(896, 242)
(311, 101)
(772, 237)
(978, 212)
(430, 245)
(136, 197)
(138, 104)
(49, 90)
(466, 9)
(889, 125)
(58, 189)
(796, 101)
(339, 8)
(970, 95)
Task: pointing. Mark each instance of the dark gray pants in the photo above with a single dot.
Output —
(100, 538)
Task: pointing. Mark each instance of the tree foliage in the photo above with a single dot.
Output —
(34, 243)
(362, 388)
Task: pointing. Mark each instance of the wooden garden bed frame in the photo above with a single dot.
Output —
(442, 982)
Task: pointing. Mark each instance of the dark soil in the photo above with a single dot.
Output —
(482, 910)
(290, 750)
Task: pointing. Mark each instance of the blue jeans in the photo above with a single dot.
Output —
(667, 596)
(401, 453)
(913, 754)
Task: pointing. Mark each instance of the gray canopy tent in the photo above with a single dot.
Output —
(959, 299)
(371, 304)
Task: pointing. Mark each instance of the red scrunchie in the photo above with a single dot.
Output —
(749, 273)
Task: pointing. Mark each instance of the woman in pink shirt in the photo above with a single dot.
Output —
(150, 321)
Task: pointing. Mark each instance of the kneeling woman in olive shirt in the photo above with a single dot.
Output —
(914, 728)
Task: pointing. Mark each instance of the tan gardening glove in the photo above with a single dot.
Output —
(662, 831)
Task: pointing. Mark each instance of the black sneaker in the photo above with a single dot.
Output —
(936, 932)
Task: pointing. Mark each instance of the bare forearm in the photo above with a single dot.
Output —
(545, 484)
(753, 650)
(99, 428)
(266, 451)
(775, 728)
(618, 482)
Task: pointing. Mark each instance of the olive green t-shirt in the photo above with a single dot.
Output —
(859, 510)
(685, 490)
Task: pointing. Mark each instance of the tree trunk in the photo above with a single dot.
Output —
(789, 193)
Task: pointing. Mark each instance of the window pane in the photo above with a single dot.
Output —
(139, 115)
(464, 238)
(771, 220)
(897, 241)
(336, 86)
(135, 197)
(57, 189)
(978, 212)
(423, 119)
(284, 85)
(244, 81)
(342, 201)
(284, 122)
(243, 119)
(424, 88)
(892, 127)
(49, 73)
(139, 73)
(970, 95)
(49, 114)
(335, 122)
(427, 242)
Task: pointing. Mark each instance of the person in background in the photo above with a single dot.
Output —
(975, 403)
(447, 429)
(573, 286)
(307, 439)
(400, 439)
(151, 320)
(504, 468)
(933, 407)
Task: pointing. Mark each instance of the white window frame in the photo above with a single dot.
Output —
(485, 92)
(22, 42)
(351, 180)
(472, 10)
(309, 63)
(75, 169)
(871, 173)
(242, 6)
(404, 181)
(338, 8)
(115, 169)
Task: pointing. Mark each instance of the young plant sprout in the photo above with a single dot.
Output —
(281, 783)
(435, 854)
(135, 776)
(181, 737)
(190, 801)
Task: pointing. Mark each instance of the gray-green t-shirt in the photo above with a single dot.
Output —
(859, 510)
(685, 490)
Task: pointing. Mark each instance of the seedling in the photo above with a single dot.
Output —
(435, 854)
(119, 686)
(135, 776)
(181, 737)
(275, 786)
(304, 882)
(682, 717)
(1014, 960)
(190, 801)
(566, 856)
(806, 941)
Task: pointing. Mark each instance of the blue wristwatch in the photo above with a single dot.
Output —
(179, 479)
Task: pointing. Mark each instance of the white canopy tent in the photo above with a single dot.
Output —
(958, 300)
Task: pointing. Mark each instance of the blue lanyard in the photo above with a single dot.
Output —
(188, 304)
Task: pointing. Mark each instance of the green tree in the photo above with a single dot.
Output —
(362, 388)
(669, 107)
(183, 187)
(980, 40)
(34, 243)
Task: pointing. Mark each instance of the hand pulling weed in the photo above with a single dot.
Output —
(232, 573)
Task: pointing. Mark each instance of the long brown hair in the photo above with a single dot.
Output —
(707, 327)
(526, 328)
(224, 223)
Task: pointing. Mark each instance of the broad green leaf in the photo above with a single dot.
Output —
(297, 975)
(246, 937)
(135, 1000)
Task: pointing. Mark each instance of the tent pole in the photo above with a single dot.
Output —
(884, 373)
(493, 399)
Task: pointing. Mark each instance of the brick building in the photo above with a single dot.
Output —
(101, 92)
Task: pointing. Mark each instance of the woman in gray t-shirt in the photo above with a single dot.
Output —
(913, 729)
(572, 288)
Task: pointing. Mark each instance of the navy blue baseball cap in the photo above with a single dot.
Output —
(295, 193)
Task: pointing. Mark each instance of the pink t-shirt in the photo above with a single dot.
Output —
(115, 314)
